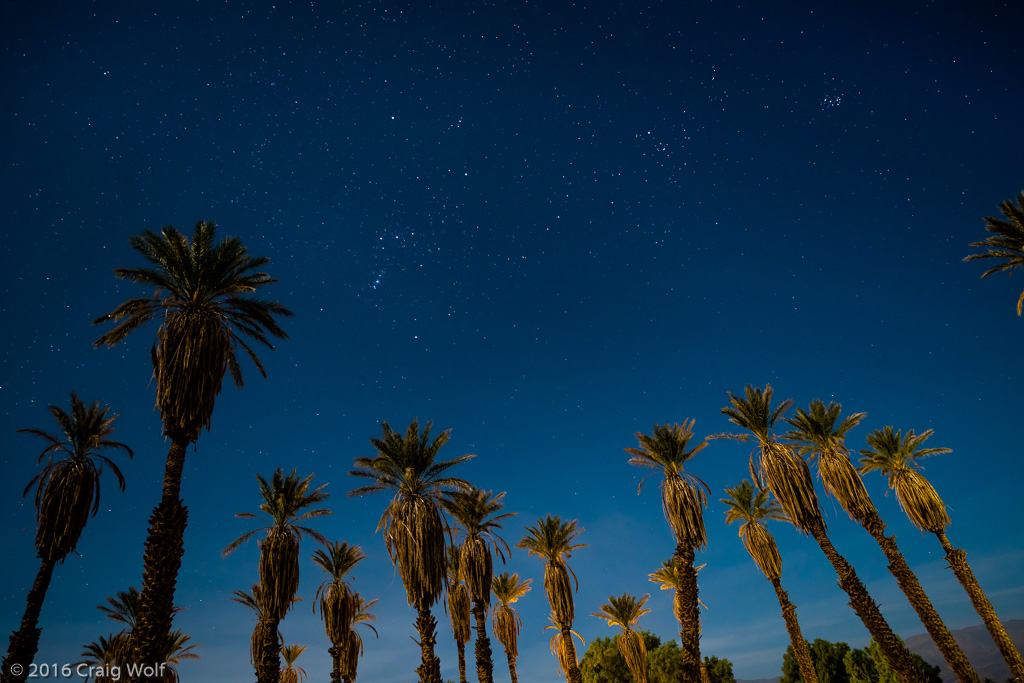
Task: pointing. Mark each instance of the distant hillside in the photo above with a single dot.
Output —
(978, 647)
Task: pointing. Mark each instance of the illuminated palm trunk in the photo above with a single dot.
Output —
(482, 649)
(25, 641)
(429, 670)
(689, 624)
(800, 649)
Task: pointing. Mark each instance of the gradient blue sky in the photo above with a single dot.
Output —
(546, 226)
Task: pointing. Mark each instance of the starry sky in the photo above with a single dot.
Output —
(544, 225)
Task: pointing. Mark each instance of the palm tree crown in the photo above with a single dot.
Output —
(625, 611)
(753, 508)
(67, 488)
(475, 510)
(1006, 241)
(895, 456)
(552, 540)
(337, 560)
(204, 316)
(507, 589)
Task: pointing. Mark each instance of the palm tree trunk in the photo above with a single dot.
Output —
(482, 649)
(429, 670)
(911, 587)
(689, 627)
(800, 649)
(25, 641)
(161, 560)
(893, 649)
(573, 674)
(512, 667)
(335, 652)
(268, 669)
(958, 563)
(461, 647)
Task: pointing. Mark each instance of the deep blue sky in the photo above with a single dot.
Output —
(546, 226)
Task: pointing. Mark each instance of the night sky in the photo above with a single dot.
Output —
(546, 226)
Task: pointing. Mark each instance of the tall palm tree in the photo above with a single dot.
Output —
(896, 456)
(289, 672)
(335, 595)
(1006, 241)
(625, 611)
(671, 578)
(201, 301)
(683, 498)
(414, 532)
(476, 512)
(459, 613)
(754, 509)
(551, 540)
(508, 589)
(353, 649)
(789, 478)
(67, 489)
(284, 497)
(818, 434)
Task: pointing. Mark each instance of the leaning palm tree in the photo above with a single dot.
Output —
(552, 541)
(1006, 241)
(818, 434)
(683, 498)
(789, 478)
(67, 492)
(284, 497)
(625, 611)
(754, 509)
(476, 512)
(896, 456)
(201, 301)
(506, 622)
(353, 647)
(414, 532)
(289, 672)
(335, 596)
(459, 613)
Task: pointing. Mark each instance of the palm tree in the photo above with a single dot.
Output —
(506, 622)
(625, 612)
(67, 489)
(291, 673)
(204, 313)
(671, 578)
(284, 498)
(254, 601)
(1006, 242)
(476, 511)
(896, 456)
(789, 478)
(337, 560)
(683, 498)
(753, 509)
(819, 435)
(353, 648)
(414, 533)
(458, 609)
(552, 541)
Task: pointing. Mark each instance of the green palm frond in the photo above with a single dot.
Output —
(1006, 241)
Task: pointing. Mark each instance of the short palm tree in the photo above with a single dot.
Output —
(353, 649)
(683, 498)
(789, 478)
(896, 456)
(335, 596)
(254, 601)
(284, 497)
(818, 434)
(459, 612)
(508, 589)
(289, 672)
(551, 540)
(754, 508)
(201, 301)
(414, 532)
(625, 611)
(1006, 241)
(476, 512)
(67, 492)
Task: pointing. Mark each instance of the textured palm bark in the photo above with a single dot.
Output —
(268, 669)
(512, 668)
(24, 642)
(911, 587)
(893, 649)
(689, 625)
(958, 563)
(800, 649)
(161, 560)
(573, 675)
(461, 647)
(482, 648)
(429, 669)
(335, 652)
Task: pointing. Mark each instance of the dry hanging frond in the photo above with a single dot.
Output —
(631, 647)
(279, 571)
(506, 624)
(459, 613)
(920, 501)
(476, 566)
(761, 545)
(189, 362)
(790, 480)
(414, 537)
(559, 591)
(684, 500)
(842, 481)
